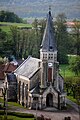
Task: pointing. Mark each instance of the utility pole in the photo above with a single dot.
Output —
(5, 99)
(36, 109)
(4, 93)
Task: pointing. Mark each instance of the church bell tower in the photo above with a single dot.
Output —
(48, 54)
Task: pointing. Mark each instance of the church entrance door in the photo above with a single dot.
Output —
(49, 100)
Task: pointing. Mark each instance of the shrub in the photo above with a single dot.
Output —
(1, 112)
(4, 118)
(21, 115)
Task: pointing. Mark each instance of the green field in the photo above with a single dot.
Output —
(69, 76)
(5, 26)
(72, 99)
(65, 71)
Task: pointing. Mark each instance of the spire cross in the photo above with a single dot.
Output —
(49, 7)
(50, 10)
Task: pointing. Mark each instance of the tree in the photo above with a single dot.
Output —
(3, 37)
(62, 38)
(38, 27)
(15, 42)
(35, 25)
(19, 42)
(76, 35)
(42, 24)
(6, 16)
(75, 65)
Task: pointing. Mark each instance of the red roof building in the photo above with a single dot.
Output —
(2, 72)
(9, 68)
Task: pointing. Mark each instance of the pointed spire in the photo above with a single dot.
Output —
(48, 42)
(50, 10)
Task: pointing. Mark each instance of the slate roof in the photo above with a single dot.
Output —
(11, 77)
(36, 90)
(48, 42)
(28, 67)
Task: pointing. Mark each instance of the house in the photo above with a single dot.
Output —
(39, 83)
(71, 26)
(11, 87)
(4, 70)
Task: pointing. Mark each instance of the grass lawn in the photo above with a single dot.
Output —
(5, 28)
(15, 24)
(72, 99)
(65, 68)
(11, 103)
(65, 71)
(69, 75)
(15, 104)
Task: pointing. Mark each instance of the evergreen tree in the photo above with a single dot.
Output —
(76, 35)
(62, 38)
(3, 37)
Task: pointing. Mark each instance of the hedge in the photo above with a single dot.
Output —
(17, 114)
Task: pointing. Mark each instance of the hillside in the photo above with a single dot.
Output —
(38, 8)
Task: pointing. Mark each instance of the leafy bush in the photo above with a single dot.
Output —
(72, 87)
(4, 118)
(75, 65)
(1, 112)
(22, 115)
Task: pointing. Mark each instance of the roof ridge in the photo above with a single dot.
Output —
(22, 63)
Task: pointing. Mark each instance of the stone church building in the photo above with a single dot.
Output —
(39, 83)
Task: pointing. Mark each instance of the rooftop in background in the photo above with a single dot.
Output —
(7, 68)
(72, 24)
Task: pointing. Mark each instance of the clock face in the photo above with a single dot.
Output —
(50, 64)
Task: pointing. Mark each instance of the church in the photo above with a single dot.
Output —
(39, 83)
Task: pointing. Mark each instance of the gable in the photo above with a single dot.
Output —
(50, 89)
